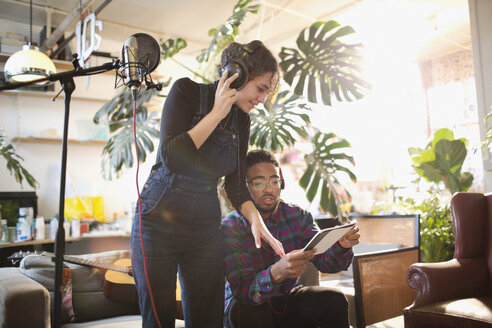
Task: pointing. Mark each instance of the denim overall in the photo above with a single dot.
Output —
(180, 232)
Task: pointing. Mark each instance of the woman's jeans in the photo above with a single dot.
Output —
(180, 233)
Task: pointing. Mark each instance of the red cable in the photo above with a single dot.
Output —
(140, 212)
(263, 265)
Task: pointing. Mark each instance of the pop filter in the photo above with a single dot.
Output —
(147, 51)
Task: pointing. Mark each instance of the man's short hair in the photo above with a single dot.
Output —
(260, 156)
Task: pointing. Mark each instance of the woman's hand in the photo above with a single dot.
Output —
(225, 97)
(259, 230)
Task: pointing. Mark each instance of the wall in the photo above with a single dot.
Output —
(31, 114)
(481, 24)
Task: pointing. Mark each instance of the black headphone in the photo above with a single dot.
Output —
(237, 65)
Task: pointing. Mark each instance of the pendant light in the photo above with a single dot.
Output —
(29, 63)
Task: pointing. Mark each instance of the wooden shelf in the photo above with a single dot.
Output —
(51, 94)
(51, 241)
(59, 141)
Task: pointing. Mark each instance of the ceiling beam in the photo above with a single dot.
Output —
(72, 17)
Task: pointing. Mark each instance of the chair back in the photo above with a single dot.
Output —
(397, 229)
(472, 216)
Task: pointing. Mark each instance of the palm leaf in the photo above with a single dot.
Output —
(324, 66)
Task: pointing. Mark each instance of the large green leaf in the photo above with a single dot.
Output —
(442, 160)
(328, 158)
(324, 66)
(7, 151)
(282, 125)
(118, 152)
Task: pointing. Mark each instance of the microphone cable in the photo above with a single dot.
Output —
(140, 211)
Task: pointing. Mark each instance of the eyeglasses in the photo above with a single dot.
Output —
(260, 184)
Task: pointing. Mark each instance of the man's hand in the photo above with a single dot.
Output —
(351, 238)
(291, 265)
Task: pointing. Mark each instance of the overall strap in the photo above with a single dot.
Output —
(203, 99)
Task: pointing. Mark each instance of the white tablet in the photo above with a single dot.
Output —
(325, 238)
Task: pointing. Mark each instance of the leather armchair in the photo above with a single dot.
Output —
(457, 293)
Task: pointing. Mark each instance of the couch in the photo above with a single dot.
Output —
(458, 292)
(26, 295)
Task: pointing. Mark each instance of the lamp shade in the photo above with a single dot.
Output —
(28, 64)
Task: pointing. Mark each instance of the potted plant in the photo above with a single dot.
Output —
(320, 68)
(439, 163)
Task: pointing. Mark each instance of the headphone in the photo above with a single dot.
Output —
(237, 65)
(282, 181)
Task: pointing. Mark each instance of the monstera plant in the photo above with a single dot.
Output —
(322, 67)
(119, 115)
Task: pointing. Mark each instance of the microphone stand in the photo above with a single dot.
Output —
(68, 86)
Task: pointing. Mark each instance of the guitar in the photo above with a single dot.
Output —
(119, 284)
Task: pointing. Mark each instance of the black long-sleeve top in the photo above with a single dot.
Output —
(178, 151)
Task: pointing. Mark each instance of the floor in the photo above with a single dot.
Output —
(396, 322)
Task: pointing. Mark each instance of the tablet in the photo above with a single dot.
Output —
(325, 238)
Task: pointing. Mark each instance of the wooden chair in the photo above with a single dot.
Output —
(389, 244)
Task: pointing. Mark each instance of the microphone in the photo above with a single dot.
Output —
(140, 56)
(132, 68)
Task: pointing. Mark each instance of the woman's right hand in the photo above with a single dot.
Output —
(225, 97)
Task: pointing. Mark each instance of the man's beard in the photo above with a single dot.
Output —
(267, 211)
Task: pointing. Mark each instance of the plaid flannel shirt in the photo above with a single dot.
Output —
(248, 272)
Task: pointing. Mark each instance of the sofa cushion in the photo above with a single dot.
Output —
(89, 302)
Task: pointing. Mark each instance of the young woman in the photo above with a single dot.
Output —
(204, 136)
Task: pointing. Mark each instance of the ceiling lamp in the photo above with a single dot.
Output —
(29, 63)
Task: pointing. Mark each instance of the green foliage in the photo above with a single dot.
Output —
(487, 143)
(170, 47)
(330, 67)
(13, 163)
(442, 160)
(327, 159)
(436, 229)
(280, 126)
(324, 65)
(227, 32)
(118, 112)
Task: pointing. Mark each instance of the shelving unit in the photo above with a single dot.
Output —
(59, 141)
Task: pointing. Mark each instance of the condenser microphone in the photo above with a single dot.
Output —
(140, 56)
(132, 70)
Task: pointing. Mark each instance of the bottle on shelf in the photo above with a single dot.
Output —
(23, 226)
(40, 228)
(5, 232)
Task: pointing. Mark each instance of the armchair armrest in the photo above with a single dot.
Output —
(23, 301)
(457, 278)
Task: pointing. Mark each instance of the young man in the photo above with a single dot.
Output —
(260, 288)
